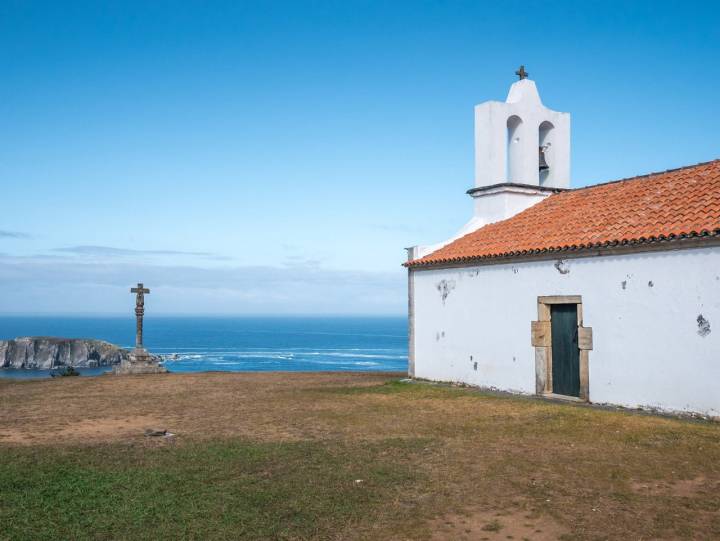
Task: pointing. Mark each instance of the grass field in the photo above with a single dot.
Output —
(341, 456)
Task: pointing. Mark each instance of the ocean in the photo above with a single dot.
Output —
(199, 344)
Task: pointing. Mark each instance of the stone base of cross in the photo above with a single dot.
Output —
(139, 363)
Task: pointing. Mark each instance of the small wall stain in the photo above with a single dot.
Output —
(515, 270)
(624, 284)
(703, 326)
(650, 284)
(562, 266)
(445, 287)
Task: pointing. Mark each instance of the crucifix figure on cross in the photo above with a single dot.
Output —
(521, 73)
(140, 292)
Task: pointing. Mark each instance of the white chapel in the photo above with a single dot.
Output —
(607, 293)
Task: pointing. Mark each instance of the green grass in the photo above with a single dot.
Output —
(408, 389)
(221, 490)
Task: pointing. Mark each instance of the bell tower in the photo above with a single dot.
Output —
(522, 155)
(522, 152)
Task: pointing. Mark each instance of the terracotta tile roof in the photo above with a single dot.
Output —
(663, 206)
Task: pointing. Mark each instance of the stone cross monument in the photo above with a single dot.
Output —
(139, 361)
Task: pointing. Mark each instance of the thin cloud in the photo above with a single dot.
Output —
(13, 235)
(397, 228)
(302, 261)
(111, 251)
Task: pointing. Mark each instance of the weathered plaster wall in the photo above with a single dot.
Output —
(655, 318)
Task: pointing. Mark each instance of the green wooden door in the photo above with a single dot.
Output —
(565, 352)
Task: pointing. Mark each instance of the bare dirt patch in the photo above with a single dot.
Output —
(492, 525)
(98, 430)
(680, 488)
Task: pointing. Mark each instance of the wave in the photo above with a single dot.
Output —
(364, 355)
(242, 363)
(167, 350)
(239, 358)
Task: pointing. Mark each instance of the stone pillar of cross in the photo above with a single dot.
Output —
(140, 292)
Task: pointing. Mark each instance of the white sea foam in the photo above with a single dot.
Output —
(286, 359)
(275, 354)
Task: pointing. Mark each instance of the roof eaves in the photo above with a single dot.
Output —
(586, 246)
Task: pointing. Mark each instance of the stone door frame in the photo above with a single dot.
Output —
(541, 339)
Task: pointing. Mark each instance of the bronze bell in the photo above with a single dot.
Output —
(543, 162)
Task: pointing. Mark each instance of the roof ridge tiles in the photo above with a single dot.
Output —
(645, 175)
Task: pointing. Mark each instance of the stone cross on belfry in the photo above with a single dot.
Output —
(521, 73)
(139, 312)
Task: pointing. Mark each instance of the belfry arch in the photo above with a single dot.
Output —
(545, 151)
(514, 144)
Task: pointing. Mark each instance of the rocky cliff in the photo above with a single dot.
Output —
(48, 352)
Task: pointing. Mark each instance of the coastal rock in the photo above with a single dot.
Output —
(44, 352)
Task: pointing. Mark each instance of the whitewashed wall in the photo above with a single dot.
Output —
(649, 349)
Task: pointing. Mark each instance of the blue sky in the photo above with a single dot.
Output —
(273, 157)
